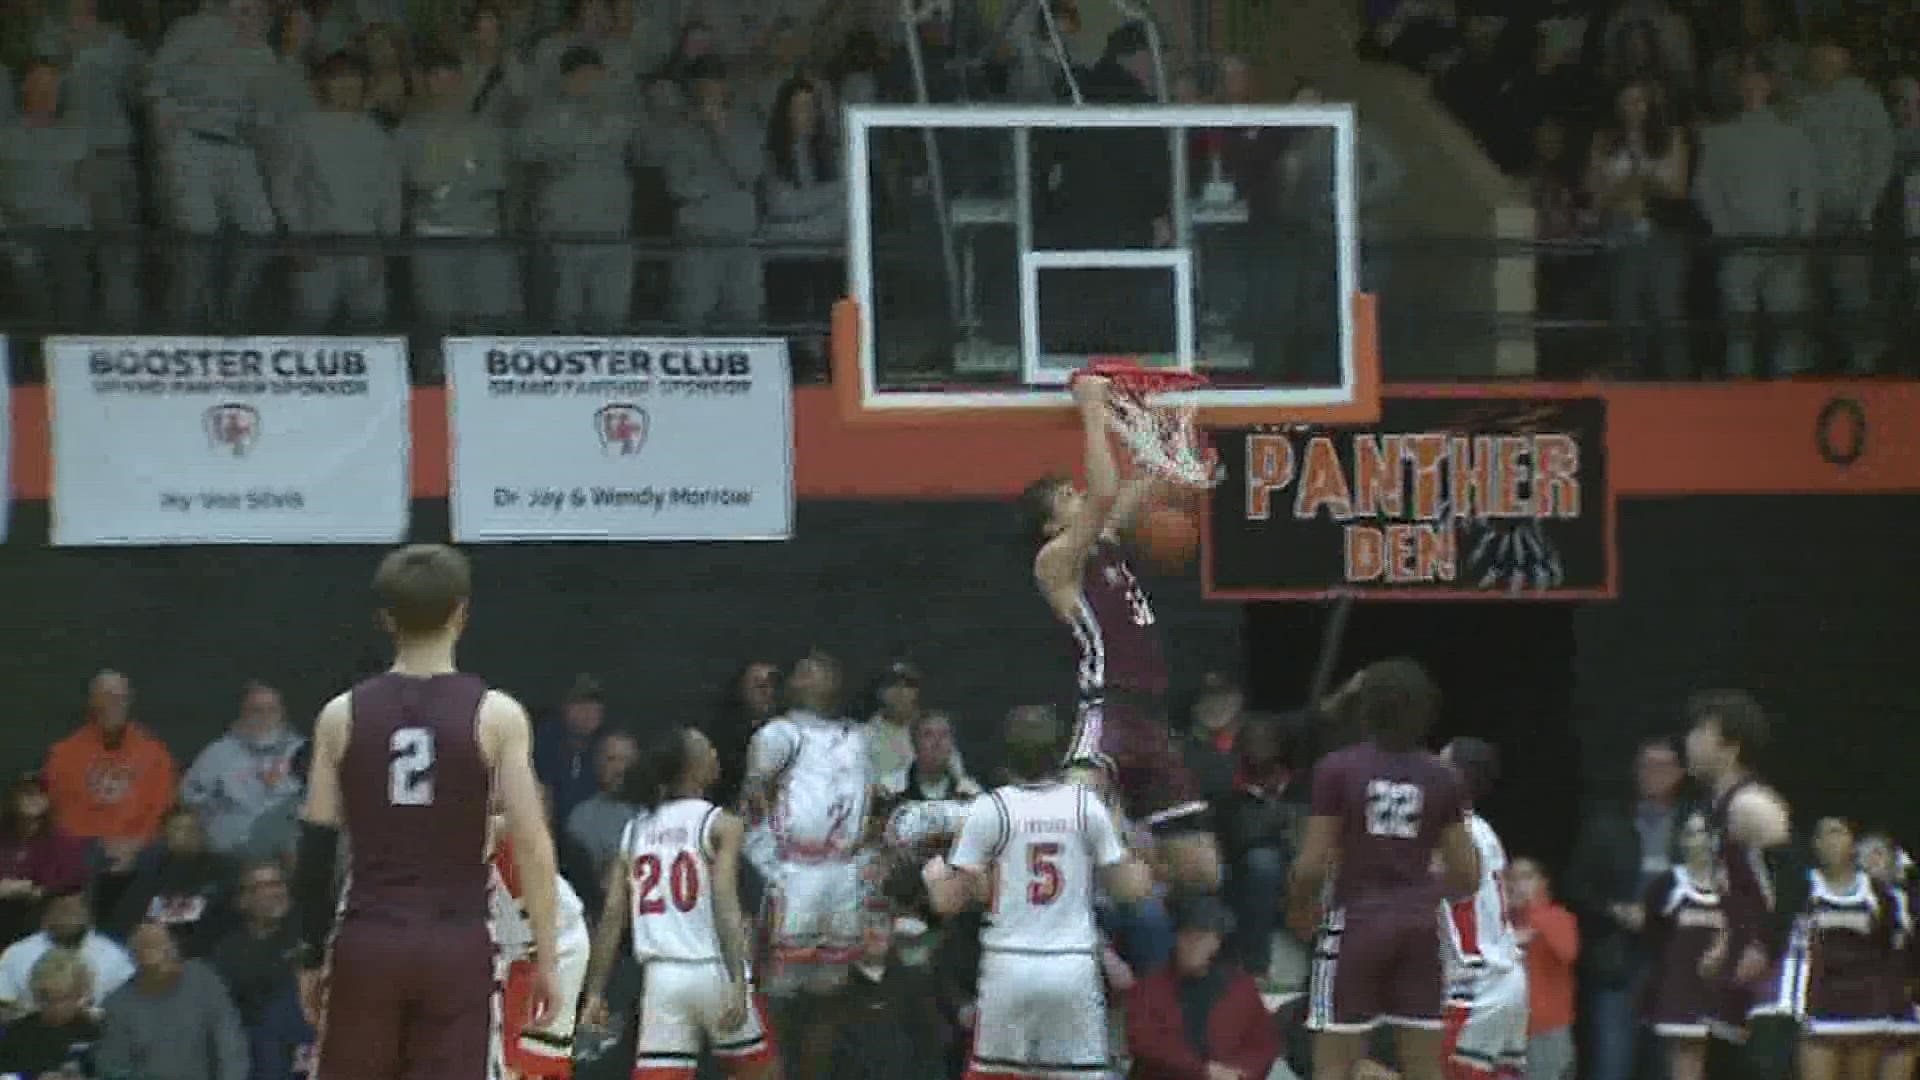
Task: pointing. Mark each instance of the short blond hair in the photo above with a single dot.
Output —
(57, 970)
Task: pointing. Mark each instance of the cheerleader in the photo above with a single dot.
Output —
(1683, 920)
(1840, 977)
(1892, 870)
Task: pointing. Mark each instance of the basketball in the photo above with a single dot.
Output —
(1168, 536)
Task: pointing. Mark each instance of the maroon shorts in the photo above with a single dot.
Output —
(1377, 966)
(1127, 736)
(408, 1000)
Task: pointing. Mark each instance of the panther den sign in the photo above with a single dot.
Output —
(1446, 497)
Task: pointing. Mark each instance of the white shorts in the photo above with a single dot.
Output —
(680, 1013)
(813, 922)
(1040, 1013)
(1487, 1034)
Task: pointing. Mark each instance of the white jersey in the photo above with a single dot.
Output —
(1043, 844)
(512, 930)
(816, 775)
(1479, 930)
(919, 821)
(668, 853)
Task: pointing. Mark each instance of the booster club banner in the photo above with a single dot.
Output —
(620, 439)
(1444, 498)
(164, 440)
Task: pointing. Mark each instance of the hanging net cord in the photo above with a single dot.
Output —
(1163, 438)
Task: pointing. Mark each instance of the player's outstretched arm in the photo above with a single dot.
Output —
(728, 835)
(507, 740)
(608, 932)
(1057, 567)
(318, 853)
(1123, 874)
(1459, 861)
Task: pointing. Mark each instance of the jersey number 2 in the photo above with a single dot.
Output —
(1393, 809)
(410, 767)
(1043, 873)
(683, 882)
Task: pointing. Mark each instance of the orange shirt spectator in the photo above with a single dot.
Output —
(1551, 939)
(111, 780)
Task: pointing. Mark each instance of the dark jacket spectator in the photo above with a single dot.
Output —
(59, 1033)
(887, 1023)
(37, 859)
(749, 702)
(253, 959)
(1620, 850)
(1200, 1010)
(564, 746)
(281, 1044)
(180, 885)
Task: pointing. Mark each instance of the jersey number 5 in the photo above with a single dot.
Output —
(410, 767)
(1393, 809)
(683, 882)
(1043, 873)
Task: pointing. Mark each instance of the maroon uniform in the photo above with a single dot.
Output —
(1121, 678)
(410, 986)
(1746, 897)
(1378, 957)
(1683, 922)
(1840, 984)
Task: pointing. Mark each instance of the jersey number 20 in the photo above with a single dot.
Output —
(1393, 809)
(410, 767)
(683, 881)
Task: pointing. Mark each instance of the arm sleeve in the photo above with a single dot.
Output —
(981, 837)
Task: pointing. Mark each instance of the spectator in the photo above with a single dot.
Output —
(590, 26)
(388, 90)
(1648, 41)
(1562, 216)
(340, 175)
(65, 923)
(174, 1021)
(564, 747)
(282, 1045)
(585, 145)
(497, 83)
(806, 203)
(242, 773)
(750, 700)
(111, 781)
(37, 859)
(1549, 86)
(252, 960)
(57, 1037)
(1637, 178)
(1200, 1017)
(1257, 823)
(201, 87)
(1758, 188)
(887, 1025)
(1622, 849)
(890, 729)
(715, 159)
(1852, 138)
(1551, 939)
(595, 825)
(1211, 754)
(286, 90)
(180, 885)
(935, 774)
(103, 72)
(41, 156)
(277, 831)
(453, 162)
(1760, 41)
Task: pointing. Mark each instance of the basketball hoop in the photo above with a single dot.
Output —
(1163, 438)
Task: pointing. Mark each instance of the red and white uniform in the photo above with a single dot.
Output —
(1486, 1018)
(525, 1050)
(1042, 1006)
(815, 773)
(669, 857)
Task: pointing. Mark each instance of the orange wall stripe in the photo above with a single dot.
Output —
(1731, 439)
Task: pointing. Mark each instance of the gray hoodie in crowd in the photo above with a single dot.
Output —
(234, 781)
(1758, 177)
(1853, 146)
(714, 177)
(40, 175)
(188, 1031)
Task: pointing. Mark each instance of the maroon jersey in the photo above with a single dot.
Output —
(1392, 806)
(1746, 889)
(1113, 629)
(416, 789)
(1684, 921)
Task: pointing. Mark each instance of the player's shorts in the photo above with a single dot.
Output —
(1040, 1014)
(545, 1050)
(408, 997)
(814, 913)
(1126, 735)
(680, 1012)
(1486, 1034)
(1376, 966)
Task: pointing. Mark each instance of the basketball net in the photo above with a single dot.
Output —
(1164, 439)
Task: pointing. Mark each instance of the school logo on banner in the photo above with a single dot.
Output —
(161, 440)
(619, 439)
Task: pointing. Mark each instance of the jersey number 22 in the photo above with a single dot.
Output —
(1393, 809)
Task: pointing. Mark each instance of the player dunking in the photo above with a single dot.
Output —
(1486, 1020)
(1750, 825)
(1382, 809)
(1032, 850)
(1120, 728)
(677, 886)
(407, 764)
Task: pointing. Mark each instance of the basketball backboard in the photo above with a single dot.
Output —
(994, 250)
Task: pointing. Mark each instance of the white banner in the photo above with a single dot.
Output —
(163, 440)
(6, 439)
(620, 439)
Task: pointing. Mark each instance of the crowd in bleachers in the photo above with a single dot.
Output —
(1787, 131)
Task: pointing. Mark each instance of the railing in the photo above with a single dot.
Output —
(1624, 311)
